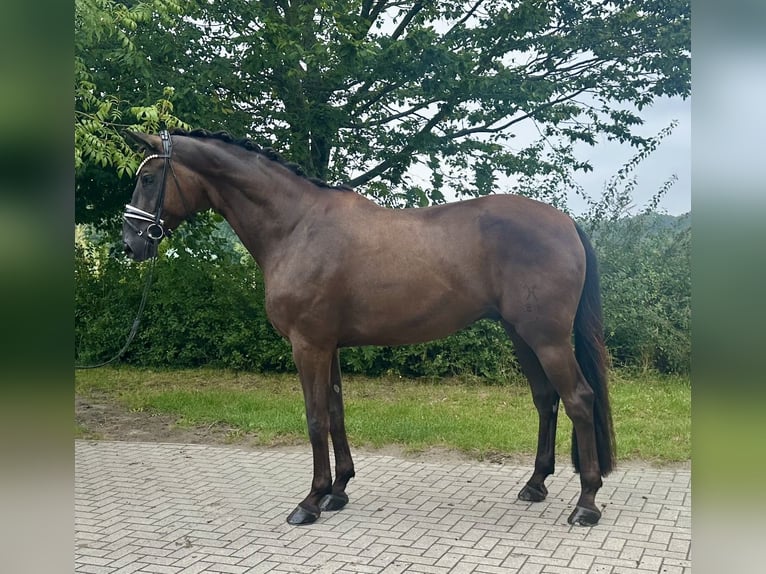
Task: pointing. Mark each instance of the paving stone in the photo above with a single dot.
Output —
(193, 509)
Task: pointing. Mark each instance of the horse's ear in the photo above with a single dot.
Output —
(150, 143)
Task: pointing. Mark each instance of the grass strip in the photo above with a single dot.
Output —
(652, 413)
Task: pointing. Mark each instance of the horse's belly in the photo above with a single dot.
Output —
(408, 320)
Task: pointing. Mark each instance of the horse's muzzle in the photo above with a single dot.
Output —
(141, 232)
(138, 248)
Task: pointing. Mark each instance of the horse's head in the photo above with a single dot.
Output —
(157, 205)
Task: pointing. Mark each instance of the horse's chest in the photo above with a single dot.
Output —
(299, 305)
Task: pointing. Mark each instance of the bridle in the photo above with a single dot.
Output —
(155, 230)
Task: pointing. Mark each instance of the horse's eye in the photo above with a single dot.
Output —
(147, 179)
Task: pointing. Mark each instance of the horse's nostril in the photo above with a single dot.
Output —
(128, 250)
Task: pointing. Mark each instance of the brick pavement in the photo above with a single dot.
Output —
(189, 509)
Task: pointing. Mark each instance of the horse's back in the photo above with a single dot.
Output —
(371, 275)
(491, 239)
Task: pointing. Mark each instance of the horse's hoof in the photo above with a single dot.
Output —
(302, 516)
(584, 517)
(333, 501)
(532, 494)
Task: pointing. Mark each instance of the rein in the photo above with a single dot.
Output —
(154, 232)
(134, 328)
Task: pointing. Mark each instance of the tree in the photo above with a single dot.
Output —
(362, 90)
(106, 58)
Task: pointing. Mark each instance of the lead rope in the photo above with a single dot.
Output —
(136, 321)
(167, 147)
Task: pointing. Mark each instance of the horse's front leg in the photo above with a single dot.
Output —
(314, 370)
(344, 465)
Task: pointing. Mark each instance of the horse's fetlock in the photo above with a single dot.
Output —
(321, 487)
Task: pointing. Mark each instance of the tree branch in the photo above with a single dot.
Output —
(464, 19)
(371, 10)
(395, 116)
(369, 99)
(397, 157)
(416, 8)
(487, 129)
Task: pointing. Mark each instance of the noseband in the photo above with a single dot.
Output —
(155, 230)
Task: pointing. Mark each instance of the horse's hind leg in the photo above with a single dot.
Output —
(546, 401)
(344, 465)
(554, 352)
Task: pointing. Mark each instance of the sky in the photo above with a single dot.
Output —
(673, 156)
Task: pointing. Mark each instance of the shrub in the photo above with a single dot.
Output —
(481, 350)
(646, 290)
(204, 308)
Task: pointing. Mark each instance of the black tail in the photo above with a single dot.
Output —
(591, 355)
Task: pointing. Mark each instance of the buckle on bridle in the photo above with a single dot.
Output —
(155, 231)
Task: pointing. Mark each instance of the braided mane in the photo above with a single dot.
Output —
(269, 153)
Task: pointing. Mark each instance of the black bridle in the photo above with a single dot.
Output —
(155, 230)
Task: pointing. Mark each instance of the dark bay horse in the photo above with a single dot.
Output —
(342, 271)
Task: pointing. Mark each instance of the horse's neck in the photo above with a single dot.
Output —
(263, 206)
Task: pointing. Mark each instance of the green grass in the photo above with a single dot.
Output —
(83, 433)
(652, 413)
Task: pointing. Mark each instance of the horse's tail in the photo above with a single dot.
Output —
(591, 355)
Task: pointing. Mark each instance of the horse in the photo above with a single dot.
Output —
(341, 270)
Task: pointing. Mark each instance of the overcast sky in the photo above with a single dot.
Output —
(673, 156)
